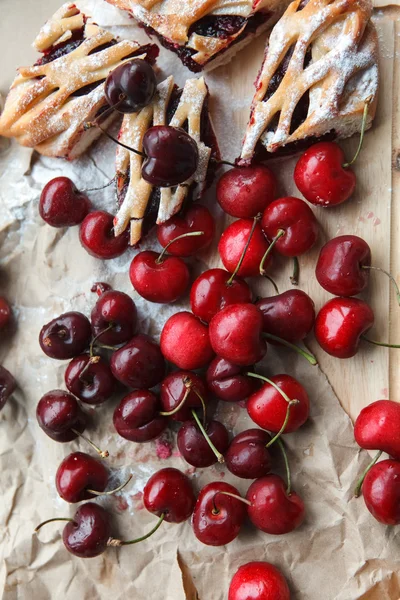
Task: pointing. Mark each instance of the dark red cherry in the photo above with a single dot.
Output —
(247, 456)
(65, 336)
(7, 385)
(116, 312)
(61, 204)
(381, 492)
(233, 242)
(185, 342)
(77, 473)
(196, 218)
(5, 313)
(169, 492)
(172, 156)
(87, 535)
(180, 385)
(99, 287)
(157, 279)
(228, 382)
(139, 364)
(258, 581)
(243, 192)
(137, 417)
(289, 315)
(96, 234)
(131, 86)
(90, 379)
(58, 413)
(194, 447)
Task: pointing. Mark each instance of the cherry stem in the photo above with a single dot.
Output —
(284, 424)
(273, 283)
(392, 279)
(311, 359)
(357, 489)
(102, 453)
(363, 126)
(218, 454)
(278, 389)
(379, 343)
(203, 405)
(169, 413)
(216, 509)
(95, 123)
(103, 187)
(52, 521)
(94, 340)
(159, 260)
(111, 492)
(294, 279)
(241, 259)
(92, 361)
(287, 467)
(280, 233)
(117, 543)
(109, 110)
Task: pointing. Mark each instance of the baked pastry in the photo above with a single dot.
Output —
(141, 205)
(49, 103)
(204, 33)
(320, 68)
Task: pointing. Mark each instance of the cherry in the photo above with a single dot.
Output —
(196, 218)
(77, 474)
(61, 204)
(235, 334)
(273, 509)
(131, 86)
(215, 289)
(258, 581)
(247, 456)
(60, 416)
(185, 342)
(5, 313)
(137, 417)
(169, 492)
(195, 447)
(218, 515)
(157, 278)
(90, 379)
(65, 336)
(180, 392)
(99, 287)
(243, 192)
(377, 427)
(114, 318)
(229, 382)
(240, 235)
(139, 364)
(7, 385)
(381, 492)
(290, 315)
(96, 234)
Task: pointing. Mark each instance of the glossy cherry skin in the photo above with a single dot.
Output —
(137, 417)
(90, 379)
(5, 313)
(196, 218)
(377, 427)
(7, 385)
(217, 518)
(320, 176)
(61, 204)
(65, 336)
(258, 581)
(162, 281)
(96, 234)
(172, 156)
(169, 492)
(193, 445)
(290, 315)
(236, 334)
(232, 243)
(118, 310)
(228, 382)
(296, 219)
(138, 364)
(340, 265)
(58, 413)
(267, 407)
(173, 390)
(211, 292)
(87, 535)
(247, 456)
(135, 81)
(243, 192)
(272, 509)
(340, 324)
(77, 473)
(185, 342)
(381, 492)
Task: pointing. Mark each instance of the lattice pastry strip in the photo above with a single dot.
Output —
(333, 60)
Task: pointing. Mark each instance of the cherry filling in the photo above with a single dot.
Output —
(218, 26)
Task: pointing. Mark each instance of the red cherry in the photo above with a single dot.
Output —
(157, 279)
(99, 287)
(115, 312)
(90, 379)
(258, 581)
(79, 473)
(194, 447)
(290, 315)
(381, 492)
(65, 336)
(321, 177)
(228, 382)
(169, 492)
(5, 313)
(272, 509)
(217, 517)
(58, 414)
(340, 324)
(87, 535)
(96, 234)
(236, 334)
(377, 427)
(7, 385)
(185, 342)
(138, 364)
(196, 218)
(233, 242)
(137, 417)
(61, 204)
(182, 388)
(247, 456)
(213, 290)
(245, 192)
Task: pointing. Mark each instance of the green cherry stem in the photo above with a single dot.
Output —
(52, 521)
(117, 543)
(103, 187)
(375, 343)
(276, 289)
(256, 219)
(284, 424)
(218, 454)
(188, 385)
(203, 405)
(216, 510)
(101, 453)
(280, 233)
(311, 359)
(287, 467)
(93, 343)
(111, 492)
(357, 489)
(363, 126)
(160, 259)
(294, 279)
(91, 124)
(392, 279)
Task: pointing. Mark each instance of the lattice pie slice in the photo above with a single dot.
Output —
(320, 68)
(49, 103)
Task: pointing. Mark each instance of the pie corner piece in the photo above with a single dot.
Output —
(320, 70)
(49, 103)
